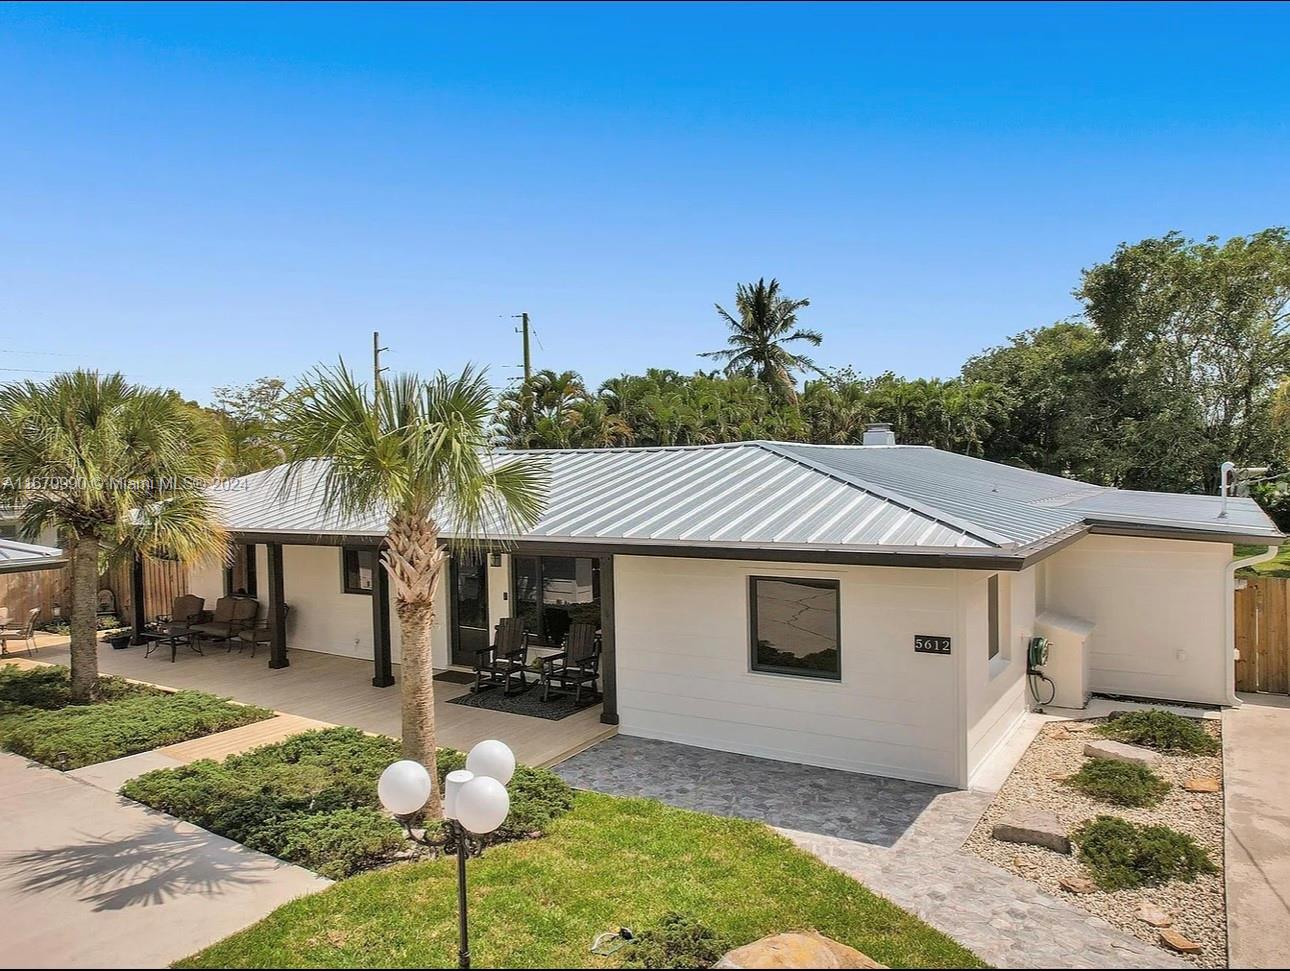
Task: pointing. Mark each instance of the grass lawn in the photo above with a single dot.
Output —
(610, 862)
(38, 720)
(1278, 566)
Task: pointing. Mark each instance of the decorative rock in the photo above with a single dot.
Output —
(1175, 941)
(1196, 806)
(1036, 827)
(1076, 728)
(1121, 752)
(1058, 776)
(796, 951)
(1203, 784)
(1153, 915)
(1077, 885)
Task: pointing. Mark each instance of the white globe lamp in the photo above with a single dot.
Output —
(492, 759)
(404, 787)
(482, 805)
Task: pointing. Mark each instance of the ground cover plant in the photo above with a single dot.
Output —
(39, 722)
(1160, 730)
(311, 799)
(1122, 855)
(1122, 783)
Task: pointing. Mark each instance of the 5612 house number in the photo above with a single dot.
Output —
(929, 644)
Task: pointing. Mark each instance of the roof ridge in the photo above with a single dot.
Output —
(975, 530)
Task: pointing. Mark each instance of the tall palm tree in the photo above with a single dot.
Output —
(116, 468)
(417, 452)
(767, 322)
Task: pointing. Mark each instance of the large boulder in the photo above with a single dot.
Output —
(1122, 752)
(1036, 827)
(809, 950)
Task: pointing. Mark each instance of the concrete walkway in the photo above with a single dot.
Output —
(900, 839)
(89, 879)
(1256, 737)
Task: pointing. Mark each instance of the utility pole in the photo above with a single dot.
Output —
(376, 360)
(528, 360)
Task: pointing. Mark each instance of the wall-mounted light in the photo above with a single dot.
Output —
(494, 559)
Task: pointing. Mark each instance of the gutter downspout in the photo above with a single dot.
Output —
(1232, 567)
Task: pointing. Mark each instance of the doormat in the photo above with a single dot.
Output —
(527, 703)
(455, 677)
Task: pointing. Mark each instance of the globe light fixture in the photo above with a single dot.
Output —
(493, 759)
(475, 803)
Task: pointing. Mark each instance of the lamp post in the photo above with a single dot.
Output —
(475, 803)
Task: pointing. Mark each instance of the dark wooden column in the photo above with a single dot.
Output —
(608, 651)
(384, 675)
(277, 611)
(138, 613)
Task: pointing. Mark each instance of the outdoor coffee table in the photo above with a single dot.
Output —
(155, 638)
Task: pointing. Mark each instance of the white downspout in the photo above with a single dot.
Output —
(1232, 567)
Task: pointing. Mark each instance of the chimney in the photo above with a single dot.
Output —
(879, 433)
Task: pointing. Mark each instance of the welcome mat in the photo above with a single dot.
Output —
(527, 703)
(455, 677)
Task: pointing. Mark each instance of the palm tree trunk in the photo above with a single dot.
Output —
(84, 647)
(414, 561)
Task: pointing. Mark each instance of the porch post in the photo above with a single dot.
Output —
(608, 653)
(277, 614)
(138, 615)
(384, 674)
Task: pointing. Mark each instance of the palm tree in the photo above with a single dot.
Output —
(419, 453)
(116, 469)
(767, 321)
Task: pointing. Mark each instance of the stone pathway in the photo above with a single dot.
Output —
(900, 839)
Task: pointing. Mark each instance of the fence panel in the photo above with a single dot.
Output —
(1263, 635)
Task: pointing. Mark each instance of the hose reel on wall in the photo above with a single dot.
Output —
(1036, 658)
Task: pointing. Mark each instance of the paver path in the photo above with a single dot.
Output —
(90, 879)
(900, 839)
(1257, 840)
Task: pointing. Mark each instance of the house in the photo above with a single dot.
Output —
(865, 607)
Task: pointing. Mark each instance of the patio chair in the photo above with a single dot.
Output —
(25, 632)
(259, 634)
(185, 611)
(576, 665)
(496, 665)
(232, 614)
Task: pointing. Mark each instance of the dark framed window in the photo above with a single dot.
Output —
(796, 626)
(993, 622)
(358, 567)
(549, 593)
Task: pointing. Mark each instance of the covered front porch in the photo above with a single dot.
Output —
(338, 690)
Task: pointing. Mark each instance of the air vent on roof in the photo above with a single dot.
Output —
(879, 433)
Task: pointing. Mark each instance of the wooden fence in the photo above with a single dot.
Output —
(1263, 635)
(163, 581)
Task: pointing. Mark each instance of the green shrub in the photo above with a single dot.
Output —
(1122, 855)
(78, 735)
(63, 626)
(677, 942)
(311, 799)
(1161, 730)
(49, 688)
(1122, 783)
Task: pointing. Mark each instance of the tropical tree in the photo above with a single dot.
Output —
(417, 452)
(117, 469)
(759, 335)
(247, 413)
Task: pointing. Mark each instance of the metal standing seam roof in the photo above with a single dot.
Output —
(16, 557)
(765, 494)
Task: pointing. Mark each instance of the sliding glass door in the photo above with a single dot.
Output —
(551, 592)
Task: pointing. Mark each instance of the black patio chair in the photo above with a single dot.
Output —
(495, 666)
(577, 665)
(261, 633)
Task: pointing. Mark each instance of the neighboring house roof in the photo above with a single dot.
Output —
(16, 557)
(750, 496)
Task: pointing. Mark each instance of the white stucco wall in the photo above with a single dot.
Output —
(1159, 609)
(994, 690)
(684, 675)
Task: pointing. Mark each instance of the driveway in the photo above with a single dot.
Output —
(900, 839)
(89, 879)
(1257, 839)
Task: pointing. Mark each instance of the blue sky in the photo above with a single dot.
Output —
(199, 196)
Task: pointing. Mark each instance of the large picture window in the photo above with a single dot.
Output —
(796, 627)
(358, 567)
